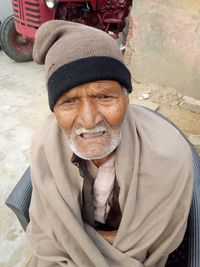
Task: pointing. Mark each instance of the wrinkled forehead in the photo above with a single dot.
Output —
(101, 87)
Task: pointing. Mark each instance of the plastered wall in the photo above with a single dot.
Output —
(164, 44)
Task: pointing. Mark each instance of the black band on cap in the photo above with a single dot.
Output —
(86, 70)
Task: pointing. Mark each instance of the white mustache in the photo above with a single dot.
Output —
(97, 129)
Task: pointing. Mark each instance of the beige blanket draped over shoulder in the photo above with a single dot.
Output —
(154, 172)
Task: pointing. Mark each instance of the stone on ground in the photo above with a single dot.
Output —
(191, 104)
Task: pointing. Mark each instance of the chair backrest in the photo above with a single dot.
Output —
(186, 255)
(20, 197)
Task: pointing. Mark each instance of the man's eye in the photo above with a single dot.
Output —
(69, 100)
(103, 97)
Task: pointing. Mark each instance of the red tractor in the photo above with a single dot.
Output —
(18, 31)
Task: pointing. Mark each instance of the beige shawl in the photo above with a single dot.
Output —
(154, 172)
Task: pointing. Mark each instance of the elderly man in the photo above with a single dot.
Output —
(112, 183)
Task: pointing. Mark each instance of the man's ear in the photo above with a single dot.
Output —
(127, 99)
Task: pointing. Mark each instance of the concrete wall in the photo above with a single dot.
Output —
(164, 44)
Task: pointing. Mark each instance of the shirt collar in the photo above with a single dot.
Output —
(76, 160)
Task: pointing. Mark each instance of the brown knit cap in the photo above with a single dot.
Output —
(74, 54)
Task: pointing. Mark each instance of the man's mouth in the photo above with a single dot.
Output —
(92, 135)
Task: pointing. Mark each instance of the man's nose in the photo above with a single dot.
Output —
(88, 116)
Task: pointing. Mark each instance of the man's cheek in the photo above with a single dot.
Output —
(64, 123)
(116, 118)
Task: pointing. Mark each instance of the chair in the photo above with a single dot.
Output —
(20, 197)
(188, 252)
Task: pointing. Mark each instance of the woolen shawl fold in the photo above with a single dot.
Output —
(154, 171)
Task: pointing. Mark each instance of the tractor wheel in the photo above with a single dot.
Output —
(16, 46)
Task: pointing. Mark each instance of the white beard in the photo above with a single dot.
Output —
(112, 137)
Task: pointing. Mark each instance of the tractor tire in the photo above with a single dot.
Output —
(16, 46)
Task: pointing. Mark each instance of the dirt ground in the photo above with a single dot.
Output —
(169, 101)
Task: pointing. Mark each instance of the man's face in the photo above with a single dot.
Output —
(91, 115)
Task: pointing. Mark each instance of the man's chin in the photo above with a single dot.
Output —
(94, 154)
(91, 156)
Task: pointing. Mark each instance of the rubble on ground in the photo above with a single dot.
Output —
(191, 104)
